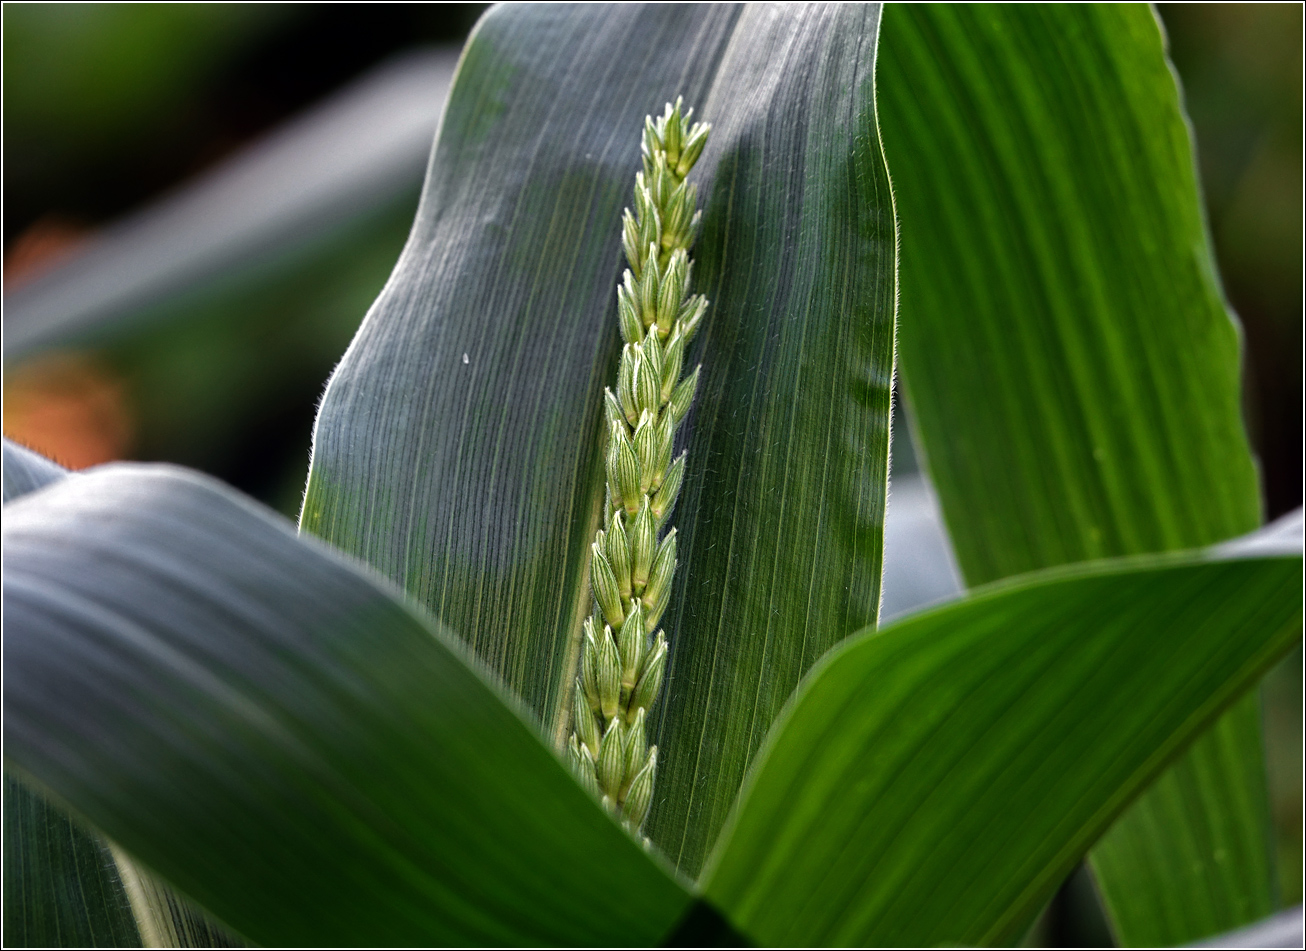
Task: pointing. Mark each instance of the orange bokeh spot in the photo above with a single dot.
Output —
(69, 407)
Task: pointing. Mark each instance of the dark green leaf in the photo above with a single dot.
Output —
(167, 917)
(61, 888)
(266, 726)
(458, 445)
(1072, 369)
(933, 783)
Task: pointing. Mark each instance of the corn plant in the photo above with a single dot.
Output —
(219, 727)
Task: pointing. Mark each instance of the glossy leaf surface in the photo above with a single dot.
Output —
(1072, 369)
(267, 727)
(458, 447)
(933, 783)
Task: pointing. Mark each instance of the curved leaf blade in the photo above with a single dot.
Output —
(268, 728)
(25, 471)
(933, 783)
(1072, 368)
(458, 448)
(61, 887)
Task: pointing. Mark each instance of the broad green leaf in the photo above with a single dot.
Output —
(933, 783)
(61, 888)
(64, 885)
(267, 727)
(1072, 369)
(458, 447)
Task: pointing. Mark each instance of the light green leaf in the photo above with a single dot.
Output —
(458, 447)
(933, 783)
(264, 725)
(1072, 369)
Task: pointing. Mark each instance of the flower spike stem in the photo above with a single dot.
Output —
(633, 560)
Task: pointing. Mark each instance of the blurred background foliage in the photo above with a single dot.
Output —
(108, 108)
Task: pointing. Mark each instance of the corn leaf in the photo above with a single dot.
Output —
(61, 887)
(26, 471)
(263, 724)
(1072, 368)
(934, 782)
(458, 446)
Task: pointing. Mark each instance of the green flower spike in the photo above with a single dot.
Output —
(631, 568)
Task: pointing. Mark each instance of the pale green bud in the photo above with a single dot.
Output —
(659, 607)
(647, 385)
(630, 242)
(643, 200)
(589, 672)
(640, 794)
(588, 773)
(626, 469)
(636, 747)
(650, 229)
(612, 759)
(650, 680)
(683, 396)
(664, 502)
(657, 182)
(609, 505)
(666, 181)
(645, 442)
(618, 551)
(675, 217)
(671, 141)
(692, 148)
(626, 383)
(651, 348)
(649, 283)
(662, 571)
(573, 752)
(642, 541)
(609, 675)
(691, 315)
(652, 141)
(673, 357)
(631, 642)
(672, 289)
(612, 409)
(691, 233)
(583, 721)
(632, 331)
(685, 217)
(666, 433)
(604, 583)
(612, 498)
